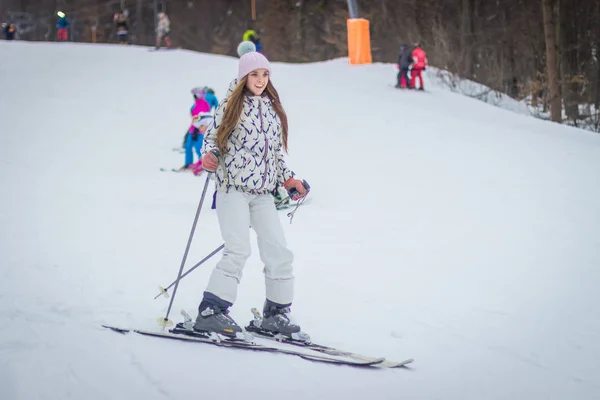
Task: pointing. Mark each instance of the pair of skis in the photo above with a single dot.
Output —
(184, 332)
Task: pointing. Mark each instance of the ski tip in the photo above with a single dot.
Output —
(394, 364)
(115, 329)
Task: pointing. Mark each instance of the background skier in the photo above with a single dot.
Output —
(121, 21)
(10, 30)
(162, 30)
(63, 26)
(250, 131)
(252, 36)
(404, 62)
(191, 140)
(419, 64)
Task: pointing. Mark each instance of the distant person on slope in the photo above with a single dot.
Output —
(251, 133)
(122, 23)
(419, 64)
(10, 30)
(191, 140)
(404, 62)
(252, 36)
(63, 26)
(162, 30)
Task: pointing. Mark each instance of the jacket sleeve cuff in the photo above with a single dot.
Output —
(284, 175)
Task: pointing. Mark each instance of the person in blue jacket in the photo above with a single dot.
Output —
(209, 96)
(63, 26)
(252, 36)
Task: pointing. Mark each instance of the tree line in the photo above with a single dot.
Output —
(545, 52)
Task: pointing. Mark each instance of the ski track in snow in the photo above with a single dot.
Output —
(148, 377)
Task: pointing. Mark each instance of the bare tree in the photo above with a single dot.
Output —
(548, 11)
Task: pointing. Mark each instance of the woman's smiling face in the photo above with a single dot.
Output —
(257, 81)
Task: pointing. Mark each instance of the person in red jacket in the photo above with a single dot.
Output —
(419, 63)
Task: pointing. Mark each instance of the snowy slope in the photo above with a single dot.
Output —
(440, 228)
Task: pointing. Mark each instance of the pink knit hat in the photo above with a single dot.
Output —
(251, 61)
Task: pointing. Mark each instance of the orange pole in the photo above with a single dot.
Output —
(359, 41)
(253, 3)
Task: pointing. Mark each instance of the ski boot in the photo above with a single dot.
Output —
(214, 319)
(276, 324)
(276, 320)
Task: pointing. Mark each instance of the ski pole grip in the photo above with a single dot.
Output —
(216, 153)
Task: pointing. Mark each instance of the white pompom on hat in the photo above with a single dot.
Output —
(245, 47)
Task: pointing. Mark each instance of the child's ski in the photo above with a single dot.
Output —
(174, 169)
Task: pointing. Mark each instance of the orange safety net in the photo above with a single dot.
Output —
(359, 41)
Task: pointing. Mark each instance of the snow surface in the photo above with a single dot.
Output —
(440, 228)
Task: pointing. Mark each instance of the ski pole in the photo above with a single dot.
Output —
(163, 290)
(165, 321)
(293, 193)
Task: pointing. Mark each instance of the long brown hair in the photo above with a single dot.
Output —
(233, 110)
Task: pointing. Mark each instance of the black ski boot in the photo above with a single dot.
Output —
(212, 318)
(275, 319)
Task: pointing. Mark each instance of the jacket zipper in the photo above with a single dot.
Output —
(266, 145)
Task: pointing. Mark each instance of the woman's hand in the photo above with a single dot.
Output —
(210, 162)
(300, 190)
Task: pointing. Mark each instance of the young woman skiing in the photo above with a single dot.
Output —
(250, 132)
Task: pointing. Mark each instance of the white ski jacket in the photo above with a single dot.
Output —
(164, 26)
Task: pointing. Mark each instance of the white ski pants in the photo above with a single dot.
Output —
(238, 211)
